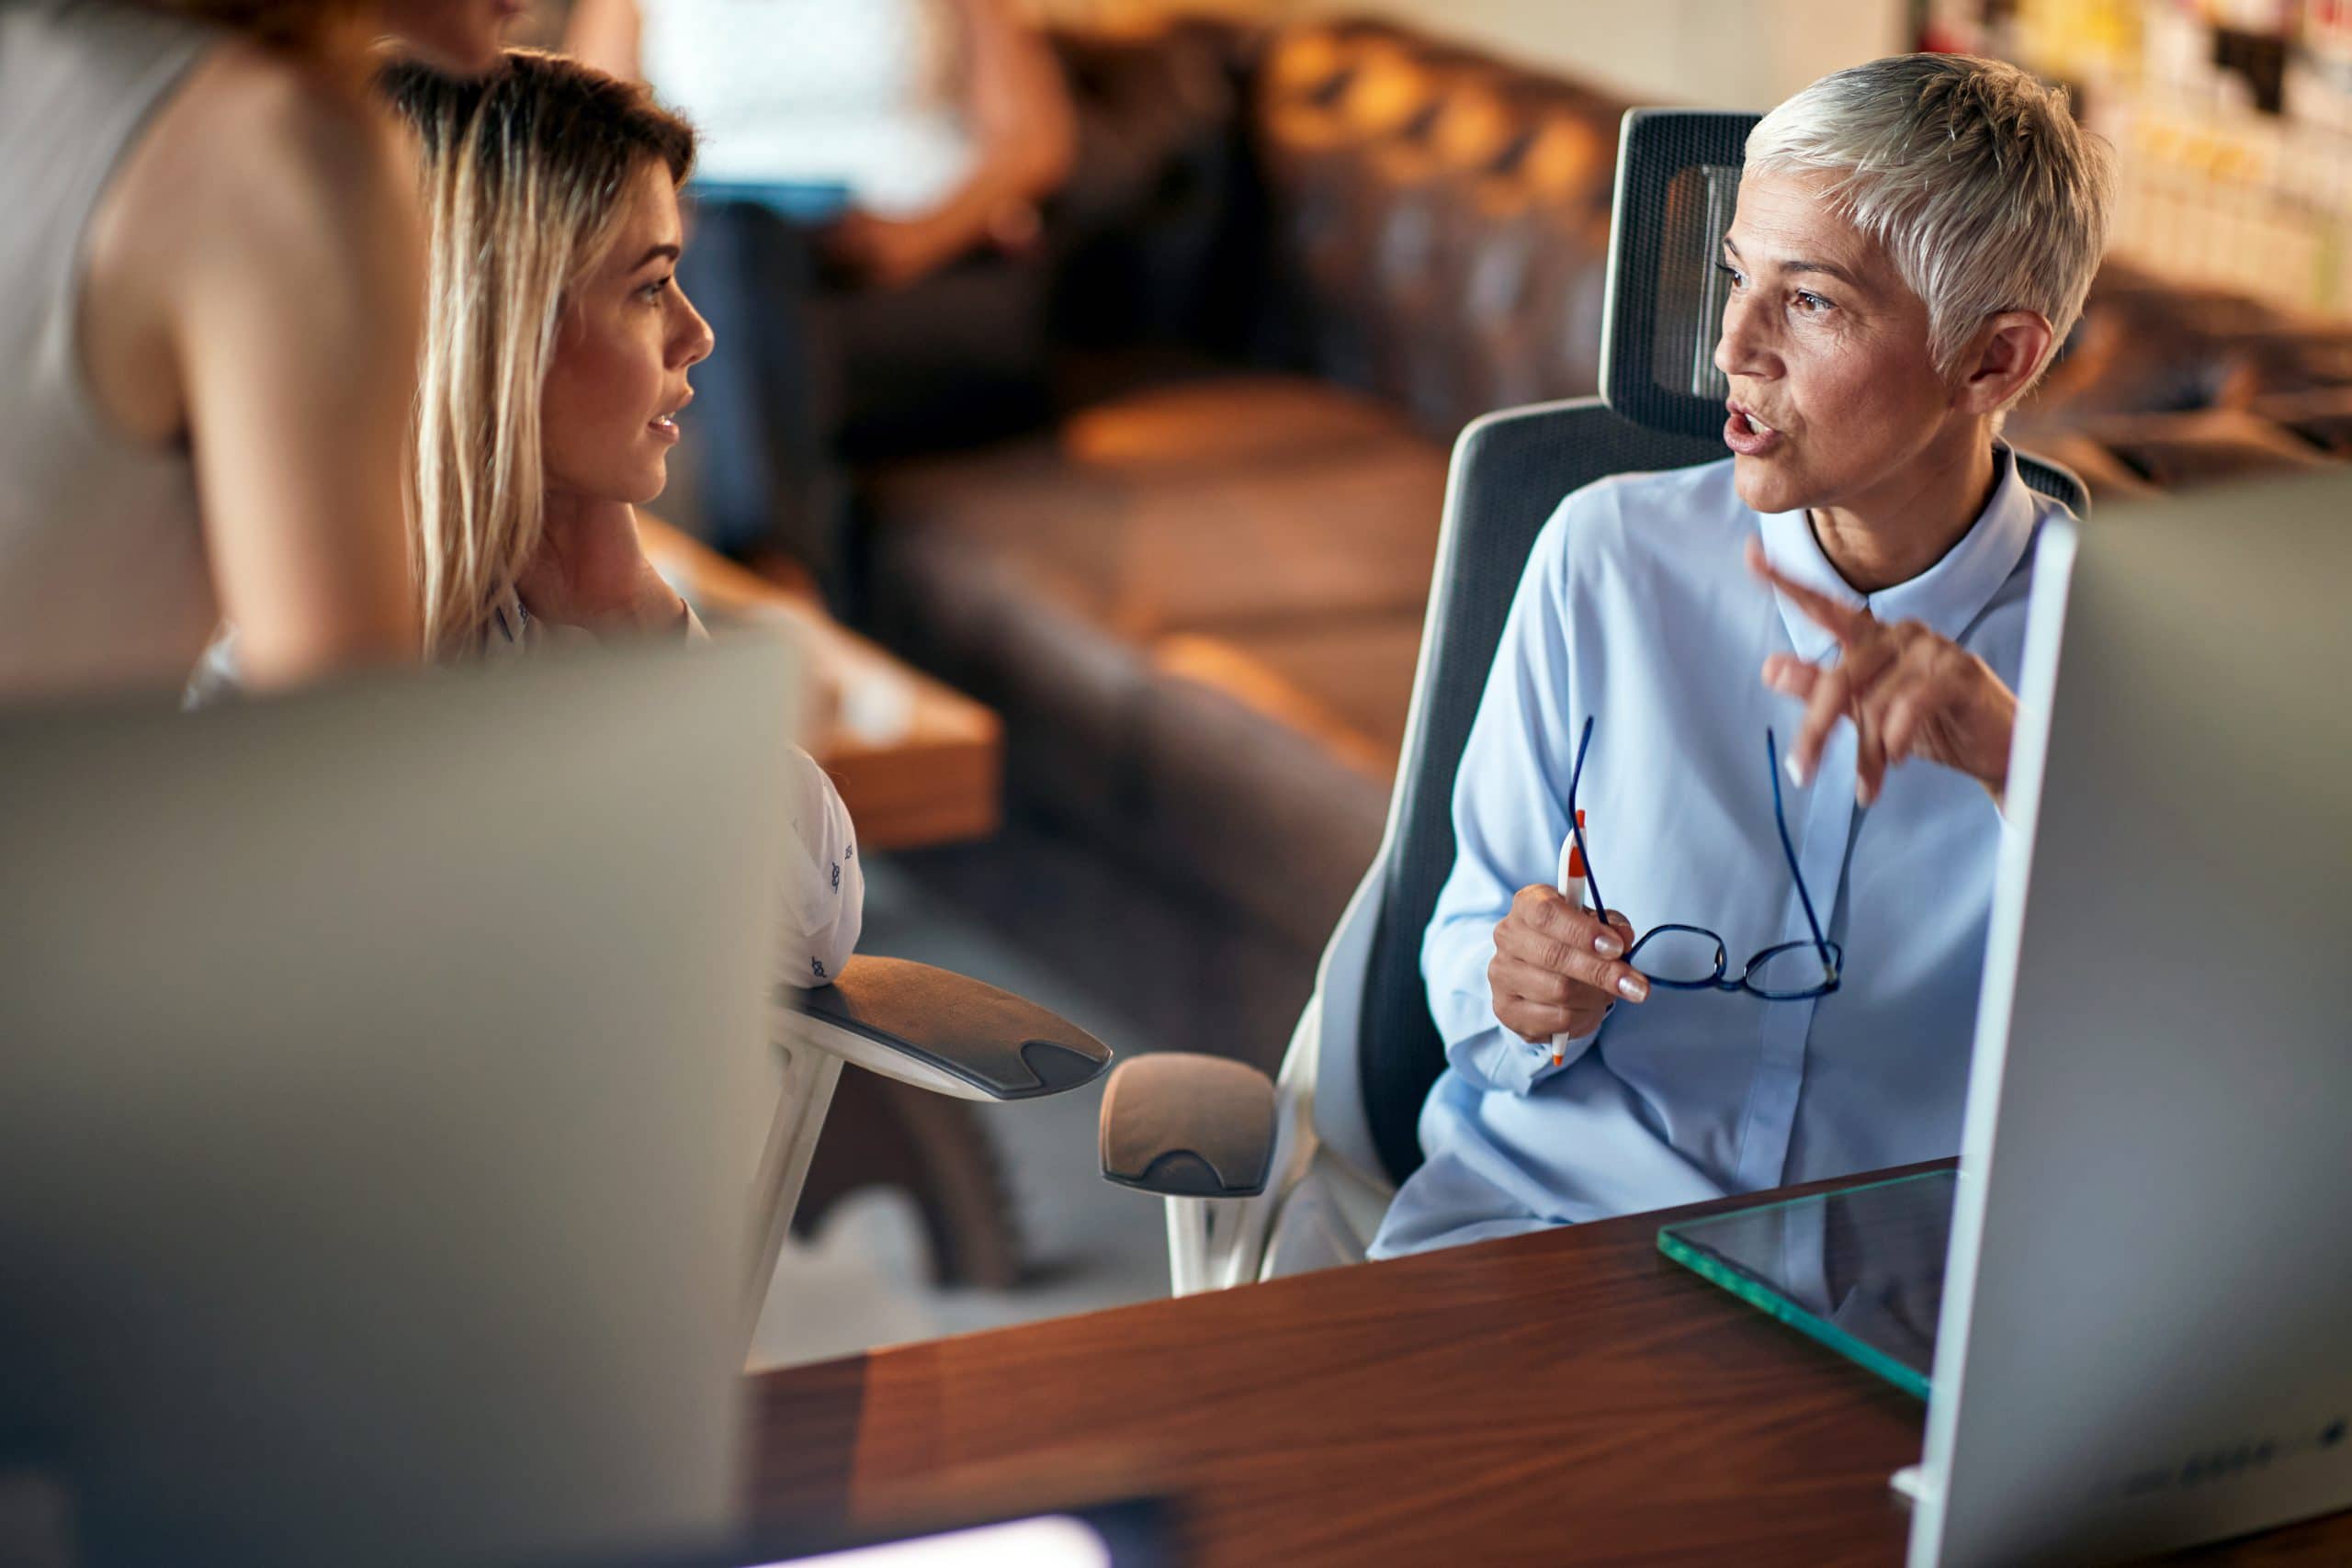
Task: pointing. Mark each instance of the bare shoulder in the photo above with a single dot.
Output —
(261, 185)
(260, 153)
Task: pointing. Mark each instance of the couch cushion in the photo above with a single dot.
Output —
(2212, 445)
(1346, 680)
(1197, 609)
(1270, 754)
(2145, 347)
(2300, 357)
(2104, 475)
(2322, 416)
(1069, 693)
(1226, 420)
(1244, 803)
(1156, 513)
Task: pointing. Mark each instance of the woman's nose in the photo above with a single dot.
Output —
(692, 342)
(1741, 349)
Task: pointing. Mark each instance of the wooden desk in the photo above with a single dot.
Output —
(938, 779)
(1566, 1397)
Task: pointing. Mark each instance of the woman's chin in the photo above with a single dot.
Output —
(1763, 486)
(648, 484)
(461, 41)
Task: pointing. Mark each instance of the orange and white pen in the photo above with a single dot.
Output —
(1571, 884)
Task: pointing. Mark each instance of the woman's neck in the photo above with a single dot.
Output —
(590, 569)
(1910, 522)
(566, 516)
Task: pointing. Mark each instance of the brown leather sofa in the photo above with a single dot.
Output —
(1197, 598)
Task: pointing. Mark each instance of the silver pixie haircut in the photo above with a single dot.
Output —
(1972, 173)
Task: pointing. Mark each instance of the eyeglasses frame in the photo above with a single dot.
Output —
(1833, 956)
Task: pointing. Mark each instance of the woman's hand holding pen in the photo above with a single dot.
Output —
(1555, 968)
(1907, 691)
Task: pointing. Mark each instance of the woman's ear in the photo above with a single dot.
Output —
(2009, 351)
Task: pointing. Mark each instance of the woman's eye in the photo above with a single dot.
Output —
(655, 290)
(1812, 304)
(1731, 272)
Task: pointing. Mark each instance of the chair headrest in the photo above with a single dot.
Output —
(1678, 182)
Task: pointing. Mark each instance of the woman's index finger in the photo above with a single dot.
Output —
(1844, 622)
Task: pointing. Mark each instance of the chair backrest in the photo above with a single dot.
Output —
(1510, 471)
(1678, 180)
(1662, 408)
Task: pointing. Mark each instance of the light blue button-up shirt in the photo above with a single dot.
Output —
(1637, 608)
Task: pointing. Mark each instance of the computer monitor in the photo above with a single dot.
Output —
(2144, 1340)
(384, 1073)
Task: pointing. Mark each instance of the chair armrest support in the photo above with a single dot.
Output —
(1189, 1126)
(947, 1032)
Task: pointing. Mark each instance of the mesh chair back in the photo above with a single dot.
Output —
(1678, 181)
(1677, 178)
(2056, 480)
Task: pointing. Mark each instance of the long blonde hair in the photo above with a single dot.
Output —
(526, 173)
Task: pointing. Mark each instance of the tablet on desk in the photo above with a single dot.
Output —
(1861, 1269)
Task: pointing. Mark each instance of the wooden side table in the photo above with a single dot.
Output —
(918, 762)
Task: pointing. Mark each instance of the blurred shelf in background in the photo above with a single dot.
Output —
(2231, 121)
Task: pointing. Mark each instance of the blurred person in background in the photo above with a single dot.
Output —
(557, 350)
(870, 187)
(208, 340)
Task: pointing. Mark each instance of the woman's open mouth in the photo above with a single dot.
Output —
(665, 424)
(1746, 435)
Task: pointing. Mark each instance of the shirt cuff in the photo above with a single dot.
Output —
(1514, 1067)
(1574, 1046)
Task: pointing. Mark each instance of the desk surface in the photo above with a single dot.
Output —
(937, 779)
(1555, 1398)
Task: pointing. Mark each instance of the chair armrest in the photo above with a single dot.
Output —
(947, 1032)
(1189, 1126)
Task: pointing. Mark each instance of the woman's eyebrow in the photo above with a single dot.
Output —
(658, 253)
(1830, 268)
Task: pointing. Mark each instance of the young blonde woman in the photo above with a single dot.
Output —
(558, 348)
(209, 269)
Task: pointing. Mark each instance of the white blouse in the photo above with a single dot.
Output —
(824, 886)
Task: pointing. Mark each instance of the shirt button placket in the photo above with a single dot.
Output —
(1820, 829)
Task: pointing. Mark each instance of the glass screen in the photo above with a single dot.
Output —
(1862, 1270)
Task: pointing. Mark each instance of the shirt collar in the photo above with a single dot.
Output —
(509, 623)
(1948, 596)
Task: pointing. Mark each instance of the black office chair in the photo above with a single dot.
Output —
(1267, 1178)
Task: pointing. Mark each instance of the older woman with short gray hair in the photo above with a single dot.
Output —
(1778, 690)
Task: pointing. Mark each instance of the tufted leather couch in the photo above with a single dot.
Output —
(1197, 597)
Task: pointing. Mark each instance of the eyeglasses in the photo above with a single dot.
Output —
(1691, 958)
